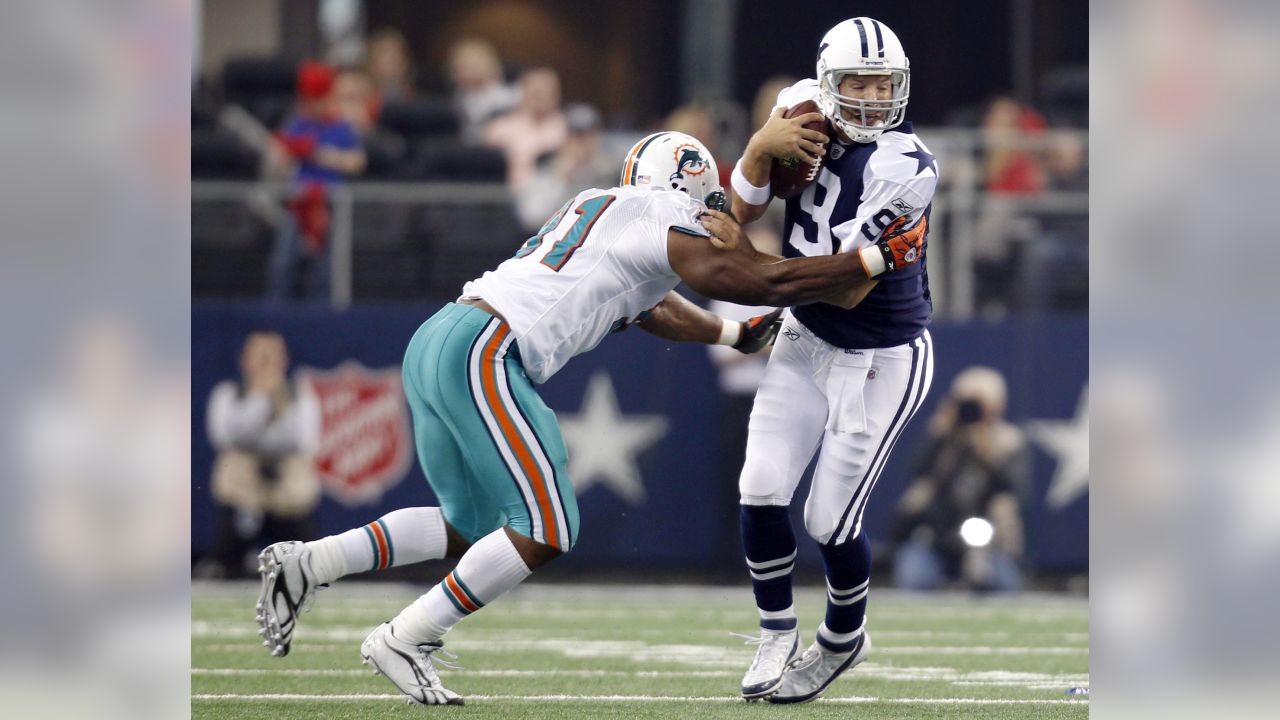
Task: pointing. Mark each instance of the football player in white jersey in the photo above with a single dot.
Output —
(490, 448)
(842, 382)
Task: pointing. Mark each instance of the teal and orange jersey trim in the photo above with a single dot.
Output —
(459, 594)
(384, 552)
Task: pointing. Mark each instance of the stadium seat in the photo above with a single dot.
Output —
(416, 119)
(262, 86)
(388, 157)
(229, 250)
(449, 161)
(1065, 96)
(218, 155)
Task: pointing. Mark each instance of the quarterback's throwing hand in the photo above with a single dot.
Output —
(759, 332)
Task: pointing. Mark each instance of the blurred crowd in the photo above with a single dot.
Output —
(315, 126)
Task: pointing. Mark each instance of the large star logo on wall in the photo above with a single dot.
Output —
(604, 445)
(1068, 441)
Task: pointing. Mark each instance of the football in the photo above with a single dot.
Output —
(790, 177)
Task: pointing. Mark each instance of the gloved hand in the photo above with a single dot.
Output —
(901, 246)
(759, 332)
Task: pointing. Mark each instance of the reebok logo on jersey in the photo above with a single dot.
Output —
(791, 335)
(902, 206)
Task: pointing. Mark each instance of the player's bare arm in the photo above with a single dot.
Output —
(734, 270)
(779, 138)
(746, 276)
(675, 318)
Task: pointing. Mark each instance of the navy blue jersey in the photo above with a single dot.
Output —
(860, 190)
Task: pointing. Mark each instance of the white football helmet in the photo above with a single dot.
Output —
(862, 46)
(675, 161)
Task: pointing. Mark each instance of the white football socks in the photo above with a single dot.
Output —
(490, 568)
(402, 537)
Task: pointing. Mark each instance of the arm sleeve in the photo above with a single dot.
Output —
(796, 94)
(664, 211)
(345, 137)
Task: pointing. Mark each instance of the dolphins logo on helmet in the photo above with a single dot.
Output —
(685, 162)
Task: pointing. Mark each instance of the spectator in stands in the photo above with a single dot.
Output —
(319, 148)
(535, 128)
(1008, 129)
(481, 93)
(266, 429)
(577, 165)
(1067, 162)
(357, 99)
(1011, 165)
(390, 63)
(975, 465)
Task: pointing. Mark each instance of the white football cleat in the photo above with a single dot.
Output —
(808, 677)
(776, 650)
(288, 588)
(409, 667)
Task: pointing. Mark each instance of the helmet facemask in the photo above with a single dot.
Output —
(861, 128)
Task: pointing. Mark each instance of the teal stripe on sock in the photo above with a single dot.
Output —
(470, 595)
(391, 548)
(445, 586)
(373, 542)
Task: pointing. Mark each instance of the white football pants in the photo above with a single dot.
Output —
(855, 403)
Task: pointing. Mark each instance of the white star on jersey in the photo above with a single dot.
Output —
(604, 444)
(1068, 440)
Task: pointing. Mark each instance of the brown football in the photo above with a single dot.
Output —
(790, 177)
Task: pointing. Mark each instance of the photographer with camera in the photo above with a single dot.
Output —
(960, 522)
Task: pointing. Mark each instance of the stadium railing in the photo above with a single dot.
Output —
(238, 216)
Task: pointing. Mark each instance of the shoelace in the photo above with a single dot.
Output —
(753, 640)
(444, 658)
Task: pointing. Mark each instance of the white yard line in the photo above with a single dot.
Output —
(640, 698)
(634, 649)
(871, 671)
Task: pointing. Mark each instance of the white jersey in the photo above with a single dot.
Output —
(592, 269)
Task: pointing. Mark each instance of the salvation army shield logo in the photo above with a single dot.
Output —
(366, 441)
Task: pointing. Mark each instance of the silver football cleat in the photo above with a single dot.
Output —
(288, 588)
(775, 650)
(807, 678)
(409, 667)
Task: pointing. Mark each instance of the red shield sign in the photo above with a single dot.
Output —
(366, 440)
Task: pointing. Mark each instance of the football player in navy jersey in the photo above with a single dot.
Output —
(841, 382)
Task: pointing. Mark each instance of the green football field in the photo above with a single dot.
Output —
(643, 651)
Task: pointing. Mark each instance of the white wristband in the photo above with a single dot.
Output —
(730, 332)
(872, 261)
(749, 193)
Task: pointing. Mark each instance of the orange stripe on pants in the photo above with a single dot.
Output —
(489, 383)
